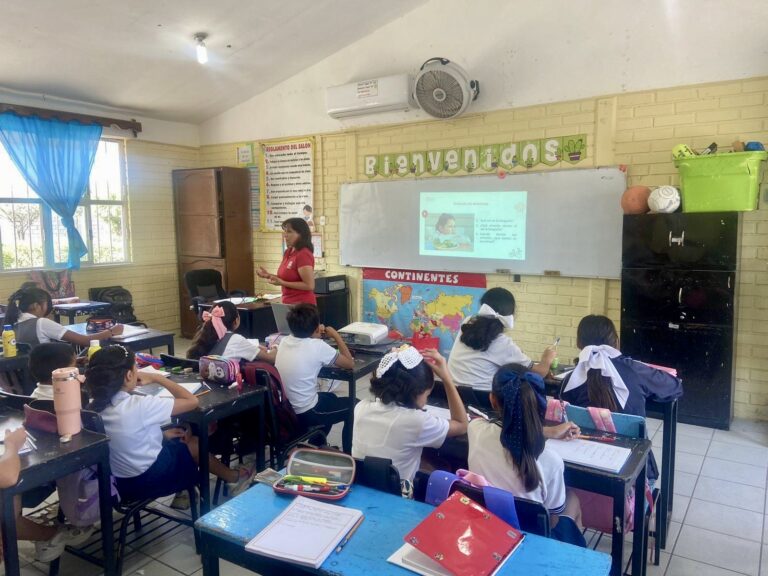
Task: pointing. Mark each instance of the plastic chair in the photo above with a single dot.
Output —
(377, 473)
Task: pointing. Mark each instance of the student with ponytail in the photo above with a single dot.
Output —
(484, 344)
(27, 311)
(512, 453)
(393, 424)
(144, 465)
(217, 336)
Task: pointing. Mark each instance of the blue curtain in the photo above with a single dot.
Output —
(55, 159)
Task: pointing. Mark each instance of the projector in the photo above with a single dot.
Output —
(365, 333)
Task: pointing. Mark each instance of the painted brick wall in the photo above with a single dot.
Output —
(152, 276)
(638, 130)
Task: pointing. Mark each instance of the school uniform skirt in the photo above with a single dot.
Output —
(174, 470)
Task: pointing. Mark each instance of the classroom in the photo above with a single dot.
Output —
(352, 249)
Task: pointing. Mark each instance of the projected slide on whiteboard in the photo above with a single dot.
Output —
(473, 225)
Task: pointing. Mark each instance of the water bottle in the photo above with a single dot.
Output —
(9, 341)
(93, 348)
(67, 401)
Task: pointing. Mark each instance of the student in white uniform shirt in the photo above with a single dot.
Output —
(217, 336)
(27, 312)
(300, 357)
(394, 423)
(482, 347)
(511, 453)
(43, 360)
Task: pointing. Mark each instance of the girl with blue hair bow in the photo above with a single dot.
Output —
(512, 453)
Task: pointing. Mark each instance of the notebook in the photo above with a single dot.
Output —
(459, 538)
(162, 392)
(600, 455)
(305, 533)
(130, 331)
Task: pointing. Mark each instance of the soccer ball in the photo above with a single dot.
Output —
(664, 199)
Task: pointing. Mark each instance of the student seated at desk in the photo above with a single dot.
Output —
(27, 311)
(605, 378)
(512, 453)
(482, 346)
(43, 360)
(394, 423)
(217, 336)
(300, 356)
(143, 464)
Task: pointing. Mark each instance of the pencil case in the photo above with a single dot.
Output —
(99, 324)
(320, 474)
(220, 370)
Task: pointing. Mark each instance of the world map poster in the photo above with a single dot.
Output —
(418, 301)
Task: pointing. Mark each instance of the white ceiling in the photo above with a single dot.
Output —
(139, 55)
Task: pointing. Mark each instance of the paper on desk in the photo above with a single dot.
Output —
(192, 387)
(440, 412)
(600, 455)
(305, 533)
(71, 305)
(560, 377)
(153, 370)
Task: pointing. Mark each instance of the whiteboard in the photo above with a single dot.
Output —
(573, 225)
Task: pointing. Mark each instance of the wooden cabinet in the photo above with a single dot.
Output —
(678, 302)
(213, 230)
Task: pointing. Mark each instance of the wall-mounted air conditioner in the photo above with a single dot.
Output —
(386, 94)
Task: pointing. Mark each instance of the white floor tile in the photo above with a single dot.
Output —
(719, 550)
(680, 508)
(659, 570)
(730, 494)
(691, 430)
(744, 437)
(183, 558)
(229, 569)
(764, 565)
(755, 455)
(765, 535)
(691, 444)
(672, 534)
(685, 483)
(734, 471)
(679, 566)
(725, 519)
(652, 424)
(157, 568)
(687, 462)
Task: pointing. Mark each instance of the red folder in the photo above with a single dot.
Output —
(464, 538)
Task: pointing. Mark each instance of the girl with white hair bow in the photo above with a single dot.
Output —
(394, 423)
(484, 345)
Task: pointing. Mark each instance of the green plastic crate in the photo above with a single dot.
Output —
(721, 182)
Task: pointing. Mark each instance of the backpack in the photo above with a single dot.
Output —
(122, 304)
(79, 496)
(287, 424)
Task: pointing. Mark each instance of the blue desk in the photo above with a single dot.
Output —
(225, 531)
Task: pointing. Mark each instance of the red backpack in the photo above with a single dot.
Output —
(286, 423)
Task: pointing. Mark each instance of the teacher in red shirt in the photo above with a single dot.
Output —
(296, 274)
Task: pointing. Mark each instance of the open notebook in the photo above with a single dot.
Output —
(600, 455)
(305, 533)
(162, 392)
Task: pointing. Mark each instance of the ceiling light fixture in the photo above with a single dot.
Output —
(202, 51)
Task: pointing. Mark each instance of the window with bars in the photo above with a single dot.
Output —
(32, 235)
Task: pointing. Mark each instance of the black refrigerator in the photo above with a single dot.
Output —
(678, 287)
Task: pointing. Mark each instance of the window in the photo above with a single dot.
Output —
(32, 235)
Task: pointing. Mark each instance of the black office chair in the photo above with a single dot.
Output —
(206, 284)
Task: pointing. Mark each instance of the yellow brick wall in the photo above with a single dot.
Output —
(152, 276)
(638, 130)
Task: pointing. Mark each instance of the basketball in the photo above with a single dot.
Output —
(664, 199)
(635, 200)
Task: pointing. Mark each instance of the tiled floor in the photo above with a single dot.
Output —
(719, 525)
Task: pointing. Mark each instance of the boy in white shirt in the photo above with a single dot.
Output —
(299, 359)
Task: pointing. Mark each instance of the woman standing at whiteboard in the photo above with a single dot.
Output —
(296, 274)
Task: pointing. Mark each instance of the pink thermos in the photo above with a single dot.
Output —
(67, 400)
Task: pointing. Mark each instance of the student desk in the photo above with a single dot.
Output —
(219, 403)
(75, 309)
(667, 412)
(365, 363)
(145, 341)
(225, 531)
(50, 461)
